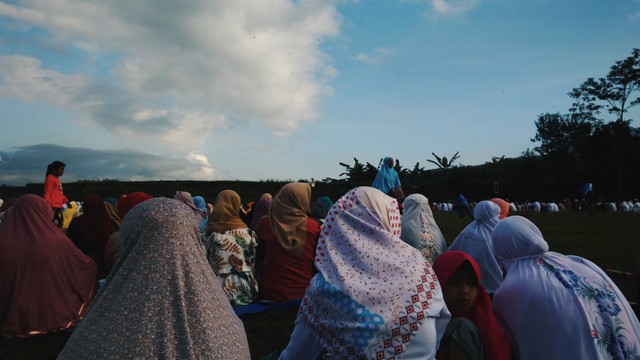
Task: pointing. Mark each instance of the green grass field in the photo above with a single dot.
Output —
(610, 240)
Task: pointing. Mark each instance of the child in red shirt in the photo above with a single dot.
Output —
(53, 194)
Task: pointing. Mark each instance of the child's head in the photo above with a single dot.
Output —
(461, 291)
(459, 276)
(56, 168)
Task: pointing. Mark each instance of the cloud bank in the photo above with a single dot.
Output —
(174, 72)
(28, 164)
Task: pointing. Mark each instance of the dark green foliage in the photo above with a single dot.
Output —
(582, 146)
(614, 92)
(442, 162)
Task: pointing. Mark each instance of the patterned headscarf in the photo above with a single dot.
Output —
(372, 292)
(419, 228)
(226, 213)
(186, 198)
(573, 307)
(163, 300)
(288, 216)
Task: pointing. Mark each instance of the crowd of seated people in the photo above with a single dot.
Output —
(159, 277)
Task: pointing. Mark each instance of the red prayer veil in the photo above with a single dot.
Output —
(127, 202)
(47, 282)
(495, 340)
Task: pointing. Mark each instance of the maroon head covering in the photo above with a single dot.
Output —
(46, 282)
(7, 204)
(91, 230)
(261, 209)
(495, 340)
(129, 201)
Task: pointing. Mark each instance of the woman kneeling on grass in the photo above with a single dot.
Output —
(46, 282)
(375, 296)
(556, 306)
(162, 300)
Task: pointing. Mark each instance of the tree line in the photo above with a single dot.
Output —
(593, 142)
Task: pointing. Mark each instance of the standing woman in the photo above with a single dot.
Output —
(53, 194)
(388, 181)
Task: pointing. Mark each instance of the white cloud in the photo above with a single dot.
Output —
(206, 171)
(24, 78)
(178, 65)
(115, 109)
(453, 7)
(635, 16)
(374, 57)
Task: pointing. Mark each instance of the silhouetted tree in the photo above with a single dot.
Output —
(442, 162)
(558, 133)
(614, 92)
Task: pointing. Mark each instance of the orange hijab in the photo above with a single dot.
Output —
(226, 213)
(504, 207)
(288, 216)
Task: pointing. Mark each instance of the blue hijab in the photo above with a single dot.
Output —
(201, 204)
(387, 177)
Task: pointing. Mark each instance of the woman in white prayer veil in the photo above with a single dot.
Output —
(419, 228)
(556, 306)
(373, 296)
(475, 240)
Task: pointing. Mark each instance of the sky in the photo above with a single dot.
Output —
(286, 90)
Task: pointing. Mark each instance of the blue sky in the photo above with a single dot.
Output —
(278, 89)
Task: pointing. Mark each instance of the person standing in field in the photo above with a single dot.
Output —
(388, 181)
(53, 194)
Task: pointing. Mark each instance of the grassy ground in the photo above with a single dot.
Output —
(610, 240)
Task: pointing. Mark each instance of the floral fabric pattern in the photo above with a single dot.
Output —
(427, 242)
(232, 256)
(419, 228)
(607, 329)
(373, 291)
(571, 305)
